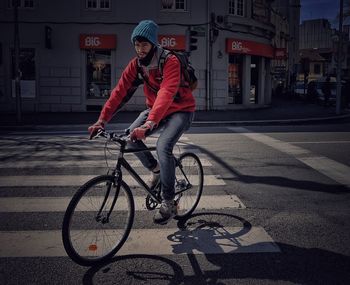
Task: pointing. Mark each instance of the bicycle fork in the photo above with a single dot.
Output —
(116, 183)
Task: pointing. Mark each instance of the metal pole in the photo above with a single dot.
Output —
(339, 63)
(17, 71)
(208, 67)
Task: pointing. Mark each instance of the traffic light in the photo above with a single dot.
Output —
(48, 37)
(192, 40)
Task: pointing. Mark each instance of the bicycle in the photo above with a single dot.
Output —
(105, 204)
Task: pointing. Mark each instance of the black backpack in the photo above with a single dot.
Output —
(187, 70)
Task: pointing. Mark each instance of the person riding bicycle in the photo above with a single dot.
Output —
(170, 110)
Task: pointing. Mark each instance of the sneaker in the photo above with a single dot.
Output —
(166, 212)
(154, 178)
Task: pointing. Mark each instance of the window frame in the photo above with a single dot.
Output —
(22, 4)
(234, 4)
(98, 5)
(173, 8)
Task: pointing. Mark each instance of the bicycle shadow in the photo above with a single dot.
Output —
(206, 232)
(135, 269)
(190, 264)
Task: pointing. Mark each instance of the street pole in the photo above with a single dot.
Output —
(209, 54)
(339, 63)
(17, 71)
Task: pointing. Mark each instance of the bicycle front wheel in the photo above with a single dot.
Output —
(93, 228)
(188, 184)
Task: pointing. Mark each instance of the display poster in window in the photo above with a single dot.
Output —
(98, 73)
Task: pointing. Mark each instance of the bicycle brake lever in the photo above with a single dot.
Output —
(99, 133)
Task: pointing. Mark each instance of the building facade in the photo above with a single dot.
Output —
(72, 53)
(319, 49)
(285, 17)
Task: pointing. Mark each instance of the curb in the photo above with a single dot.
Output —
(63, 128)
(272, 122)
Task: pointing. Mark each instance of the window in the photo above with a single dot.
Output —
(27, 72)
(236, 7)
(174, 5)
(98, 4)
(235, 67)
(98, 73)
(22, 3)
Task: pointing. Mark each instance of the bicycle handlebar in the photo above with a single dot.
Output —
(119, 138)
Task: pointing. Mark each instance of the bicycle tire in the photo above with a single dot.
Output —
(90, 249)
(192, 167)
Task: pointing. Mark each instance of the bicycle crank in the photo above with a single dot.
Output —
(151, 204)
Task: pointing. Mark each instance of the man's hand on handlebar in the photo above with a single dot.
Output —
(93, 130)
(141, 132)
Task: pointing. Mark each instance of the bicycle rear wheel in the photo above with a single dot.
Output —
(89, 235)
(188, 184)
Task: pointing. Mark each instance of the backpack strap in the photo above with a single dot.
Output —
(141, 75)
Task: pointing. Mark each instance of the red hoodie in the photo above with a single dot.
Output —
(161, 103)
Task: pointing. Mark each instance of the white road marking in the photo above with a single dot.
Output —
(59, 204)
(320, 142)
(68, 153)
(162, 241)
(337, 171)
(74, 163)
(78, 180)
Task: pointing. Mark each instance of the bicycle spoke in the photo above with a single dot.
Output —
(189, 183)
(91, 232)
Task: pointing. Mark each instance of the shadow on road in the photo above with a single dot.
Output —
(291, 264)
(274, 180)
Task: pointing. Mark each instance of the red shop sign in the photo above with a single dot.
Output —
(175, 42)
(280, 53)
(249, 47)
(95, 41)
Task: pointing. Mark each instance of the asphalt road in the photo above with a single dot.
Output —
(281, 216)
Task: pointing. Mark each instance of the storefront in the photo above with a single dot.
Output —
(173, 42)
(248, 71)
(98, 52)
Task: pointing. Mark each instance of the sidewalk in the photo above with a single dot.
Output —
(282, 111)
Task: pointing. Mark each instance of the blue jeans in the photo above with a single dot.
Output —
(171, 128)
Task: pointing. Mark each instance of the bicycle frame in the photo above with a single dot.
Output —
(118, 174)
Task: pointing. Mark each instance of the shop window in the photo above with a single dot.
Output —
(27, 72)
(21, 4)
(236, 7)
(254, 79)
(235, 79)
(98, 4)
(98, 74)
(174, 5)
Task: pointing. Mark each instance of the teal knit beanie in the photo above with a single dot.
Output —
(147, 29)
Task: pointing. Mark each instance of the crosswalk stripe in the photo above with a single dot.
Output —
(337, 171)
(77, 180)
(71, 147)
(198, 241)
(59, 204)
(68, 139)
(68, 153)
(74, 163)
